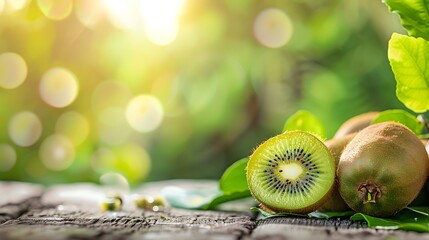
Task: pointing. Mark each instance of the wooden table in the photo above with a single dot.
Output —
(29, 211)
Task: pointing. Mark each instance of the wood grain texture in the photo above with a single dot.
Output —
(16, 198)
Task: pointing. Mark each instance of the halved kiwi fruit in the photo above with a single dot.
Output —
(291, 172)
(382, 169)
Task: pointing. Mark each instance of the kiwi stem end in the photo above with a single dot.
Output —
(369, 193)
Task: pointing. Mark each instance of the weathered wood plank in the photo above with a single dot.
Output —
(16, 198)
(73, 212)
(188, 224)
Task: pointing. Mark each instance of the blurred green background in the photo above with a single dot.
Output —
(164, 89)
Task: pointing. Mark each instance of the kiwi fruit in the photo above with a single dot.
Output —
(292, 172)
(356, 124)
(336, 146)
(382, 169)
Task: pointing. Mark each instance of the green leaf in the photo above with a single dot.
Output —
(315, 214)
(305, 121)
(410, 219)
(400, 116)
(226, 197)
(414, 15)
(408, 59)
(234, 177)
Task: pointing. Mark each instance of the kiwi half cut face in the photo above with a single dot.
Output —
(291, 172)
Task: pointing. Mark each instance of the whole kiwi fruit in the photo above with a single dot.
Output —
(292, 172)
(382, 169)
(356, 124)
(336, 146)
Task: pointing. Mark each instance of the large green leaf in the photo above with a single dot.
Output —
(234, 177)
(414, 15)
(410, 219)
(305, 121)
(409, 62)
(401, 116)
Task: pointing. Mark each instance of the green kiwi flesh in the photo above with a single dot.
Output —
(356, 123)
(291, 172)
(336, 146)
(382, 169)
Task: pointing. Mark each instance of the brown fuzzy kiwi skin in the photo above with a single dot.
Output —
(306, 210)
(355, 124)
(336, 146)
(388, 161)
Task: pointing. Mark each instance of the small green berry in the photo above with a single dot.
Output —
(111, 204)
(150, 203)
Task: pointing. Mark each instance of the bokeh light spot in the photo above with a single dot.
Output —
(58, 87)
(113, 127)
(25, 129)
(89, 13)
(57, 152)
(119, 95)
(56, 9)
(103, 160)
(7, 157)
(114, 181)
(2, 4)
(17, 4)
(144, 113)
(73, 125)
(121, 14)
(133, 161)
(13, 70)
(272, 28)
(130, 159)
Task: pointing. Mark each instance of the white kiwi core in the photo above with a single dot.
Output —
(291, 171)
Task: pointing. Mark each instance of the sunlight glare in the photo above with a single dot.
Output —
(121, 14)
(161, 19)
